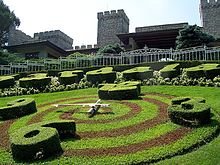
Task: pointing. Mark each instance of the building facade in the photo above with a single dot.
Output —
(210, 16)
(111, 23)
(56, 37)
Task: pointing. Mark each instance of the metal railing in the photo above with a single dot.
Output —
(126, 58)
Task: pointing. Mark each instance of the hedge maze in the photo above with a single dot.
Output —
(127, 132)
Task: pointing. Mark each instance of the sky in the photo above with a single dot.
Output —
(78, 18)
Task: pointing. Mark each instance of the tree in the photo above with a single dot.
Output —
(192, 36)
(111, 49)
(7, 20)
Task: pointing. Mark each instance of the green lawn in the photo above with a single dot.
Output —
(88, 127)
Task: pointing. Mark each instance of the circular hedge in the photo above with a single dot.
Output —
(189, 111)
(34, 142)
(18, 108)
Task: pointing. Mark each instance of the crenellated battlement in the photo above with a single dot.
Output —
(210, 12)
(113, 14)
(209, 3)
(82, 47)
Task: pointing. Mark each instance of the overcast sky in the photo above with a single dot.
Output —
(78, 18)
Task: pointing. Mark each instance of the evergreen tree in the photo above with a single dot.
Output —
(7, 20)
(192, 36)
(111, 49)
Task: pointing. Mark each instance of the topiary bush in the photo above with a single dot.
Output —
(122, 91)
(6, 81)
(170, 71)
(138, 73)
(101, 75)
(189, 111)
(205, 70)
(38, 81)
(39, 140)
(67, 78)
(18, 108)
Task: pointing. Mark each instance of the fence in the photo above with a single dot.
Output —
(126, 58)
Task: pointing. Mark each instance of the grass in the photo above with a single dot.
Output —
(206, 154)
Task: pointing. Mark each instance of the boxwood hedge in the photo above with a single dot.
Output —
(189, 111)
(123, 91)
(170, 71)
(35, 80)
(39, 140)
(6, 81)
(138, 73)
(67, 77)
(205, 70)
(101, 75)
(18, 108)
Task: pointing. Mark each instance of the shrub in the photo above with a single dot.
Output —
(189, 111)
(40, 140)
(123, 91)
(205, 70)
(6, 81)
(170, 71)
(38, 81)
(102, 75)
(53, 73)
(138, 73)
(30, 143)
(18, 108)
(67, 77)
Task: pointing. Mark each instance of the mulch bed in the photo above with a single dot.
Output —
(4, 136)
(113, 151)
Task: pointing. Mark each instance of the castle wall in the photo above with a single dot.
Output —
(16, 37)
(210, 16)
(57, 37)
(111, 23)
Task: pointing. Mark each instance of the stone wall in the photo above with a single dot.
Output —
(210, 16)
(16, 37)
(57, 37)
(111, 23)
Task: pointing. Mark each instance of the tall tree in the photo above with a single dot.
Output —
(191, 36)
(7, 20)
(111, 48)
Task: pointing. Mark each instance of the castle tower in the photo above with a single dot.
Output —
(110, 24)
(210, 16)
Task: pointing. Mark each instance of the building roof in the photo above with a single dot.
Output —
(36, 43)
(161, 36)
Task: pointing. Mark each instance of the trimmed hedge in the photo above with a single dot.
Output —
(18, 108)
(205, 70)
(104, 74)
(123, 91)
(67, 77)
(189, 111)
(35, 80)
(40, 140)
(6, 81)
(53, 73)
(170, 71)
(138, 73)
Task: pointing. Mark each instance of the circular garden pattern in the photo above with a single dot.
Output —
(127, 132)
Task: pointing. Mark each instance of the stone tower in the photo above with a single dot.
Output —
(210, 16)
(111, 23)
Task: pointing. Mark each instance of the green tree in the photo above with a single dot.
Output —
(192, 36)
(111, 48)
(7, 20)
